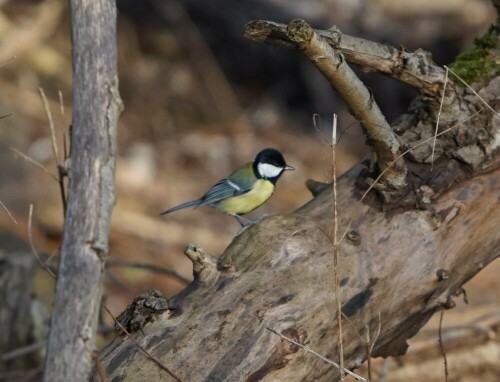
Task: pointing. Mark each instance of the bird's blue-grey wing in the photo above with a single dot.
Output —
(224, 189)
(237, 183)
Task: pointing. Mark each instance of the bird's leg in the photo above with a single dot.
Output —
(244, 222)
(247, 223)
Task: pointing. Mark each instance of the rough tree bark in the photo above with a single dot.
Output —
(96, 107)
(408, 249)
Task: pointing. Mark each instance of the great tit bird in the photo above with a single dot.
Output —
(244, 189)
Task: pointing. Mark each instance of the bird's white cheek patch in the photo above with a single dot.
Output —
(267, 170)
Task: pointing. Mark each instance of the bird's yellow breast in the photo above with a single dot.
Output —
(243, 204)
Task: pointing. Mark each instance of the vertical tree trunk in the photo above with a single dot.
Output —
(96, 107)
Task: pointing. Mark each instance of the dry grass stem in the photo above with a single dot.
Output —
(473, 91)
(441, 346)
(22, 351)
(61, 172)
(99, 368)
(335, 249)
(33, 249)
(370, 343)
(330, 362)
(35, 162)
(7, 61)
(8, 212)
(144, 351)
(62, 125)
(438, 118)
(324, 140)
(51, 125)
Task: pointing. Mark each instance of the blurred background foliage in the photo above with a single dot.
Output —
(199, 101)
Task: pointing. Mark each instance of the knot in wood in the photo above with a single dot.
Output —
(354, 237)
(442, 274)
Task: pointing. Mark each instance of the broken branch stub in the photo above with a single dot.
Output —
(358, 98)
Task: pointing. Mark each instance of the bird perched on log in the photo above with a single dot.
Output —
(244, 189)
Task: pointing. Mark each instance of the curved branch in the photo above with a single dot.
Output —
(359, 100)
(414, 68)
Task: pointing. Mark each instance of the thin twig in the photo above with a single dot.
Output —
(99, 368)
(335, 248)
(379, 329)
(5, 116)
(346, 130)
(120, 284)
(146, 353)
(30, 237)
(61, 172)
(35, 162)
(23, 350)
(51, 125)
(7, 61)
(441, 346)
(148, 267)
(438, 118)
(349, 321)
(473, 91)
(62, 189)
(400, 156)
(330, 362)
(319, 130)
(63, 124)
(370, 343)
(8, 212)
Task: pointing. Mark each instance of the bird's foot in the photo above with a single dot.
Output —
(247, 223)
(244, 222)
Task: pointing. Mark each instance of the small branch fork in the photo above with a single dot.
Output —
(330, 50)
(358, 98)
(413, 68)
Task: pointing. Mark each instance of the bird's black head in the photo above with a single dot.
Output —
(269, 164)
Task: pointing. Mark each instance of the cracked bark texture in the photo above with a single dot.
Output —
(96, 106)
(401, 262)
(279, 275)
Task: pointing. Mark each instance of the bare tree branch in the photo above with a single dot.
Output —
(414, 68)
(96, 107)
(359, 100)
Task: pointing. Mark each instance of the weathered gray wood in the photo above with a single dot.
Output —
(397, 267)
(282, 279)
(96, 106)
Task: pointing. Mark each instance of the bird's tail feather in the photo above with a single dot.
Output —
(194, 203)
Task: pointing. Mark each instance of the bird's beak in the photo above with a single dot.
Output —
(289, 168)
